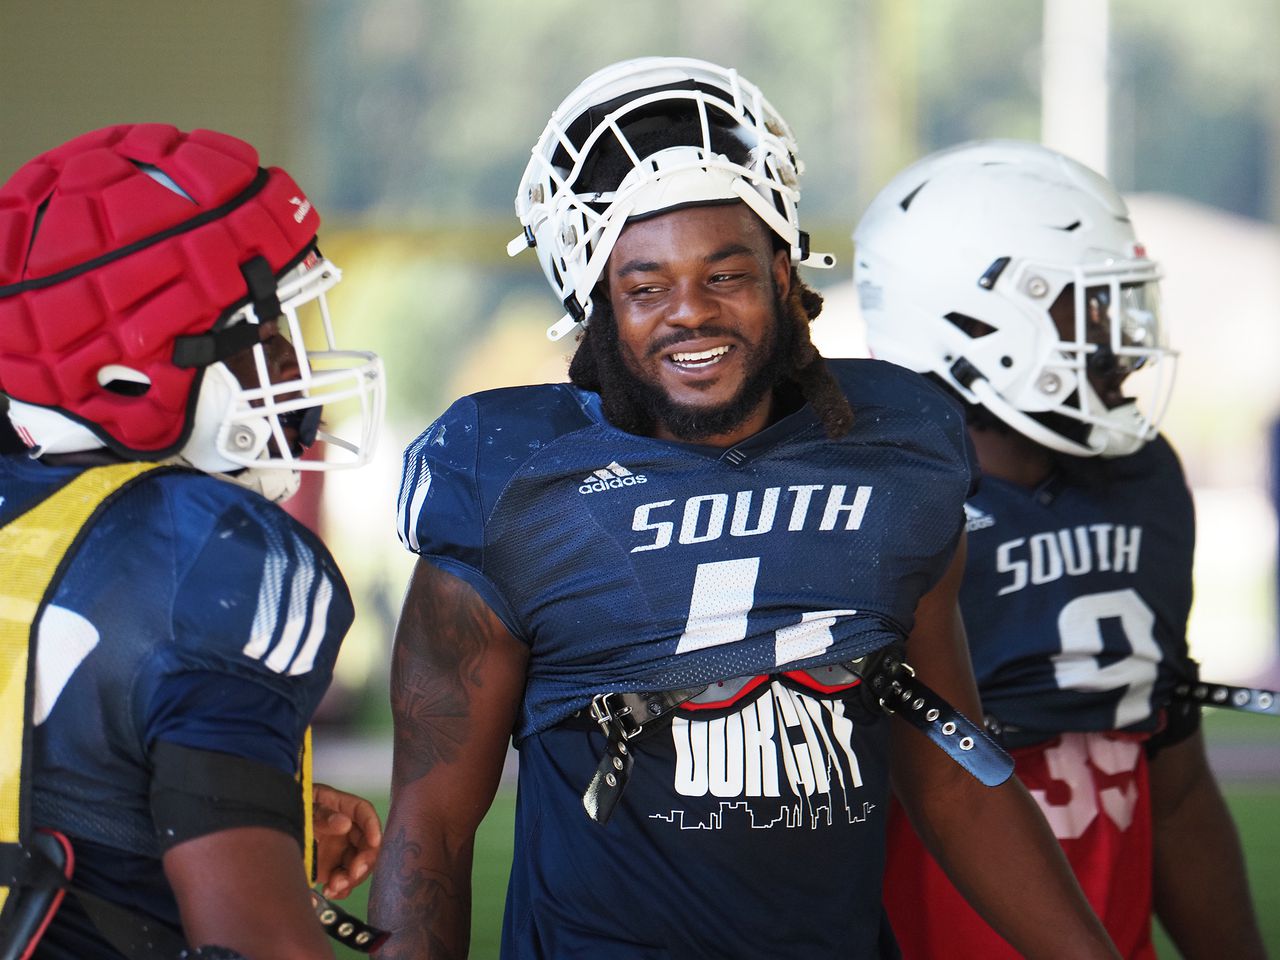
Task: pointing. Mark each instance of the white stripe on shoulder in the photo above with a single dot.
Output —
(319, 627)
(410, 525)
(304, 577)
(415, 483)
(267, 614)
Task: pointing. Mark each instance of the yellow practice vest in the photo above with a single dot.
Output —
(34, 550)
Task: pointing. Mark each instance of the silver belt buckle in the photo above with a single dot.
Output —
(603, 714)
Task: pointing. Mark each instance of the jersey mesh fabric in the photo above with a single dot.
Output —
(150, 634)
(1076, 594)
(756, 835)
(688, 564)
(1075, 601)
(629, 563)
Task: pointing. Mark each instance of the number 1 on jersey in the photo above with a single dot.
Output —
(724, 593)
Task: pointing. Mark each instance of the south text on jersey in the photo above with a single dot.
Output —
(1071, 552)
(749, 513)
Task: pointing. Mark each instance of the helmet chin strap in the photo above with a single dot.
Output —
(1027, 425)
(1118, 433)
(1119, 437)
(277, 483)
(274, 483)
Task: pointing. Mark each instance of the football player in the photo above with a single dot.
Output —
(166, 350)
(686, 579)
(1013, 276)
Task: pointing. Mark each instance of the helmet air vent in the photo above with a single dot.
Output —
(905, 202)
(162, 178)
(126, 381)
(970, 326)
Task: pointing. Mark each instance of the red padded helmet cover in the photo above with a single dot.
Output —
(101, 264)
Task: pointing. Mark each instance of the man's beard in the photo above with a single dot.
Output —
(637, 404)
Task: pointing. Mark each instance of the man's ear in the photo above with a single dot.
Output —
(781, 267)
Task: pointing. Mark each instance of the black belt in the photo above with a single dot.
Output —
(626, 717)
(1248, 699)
(888, 685)
(348, 929)
(893, 683)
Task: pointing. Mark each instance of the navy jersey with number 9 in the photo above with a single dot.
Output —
(1076, 594)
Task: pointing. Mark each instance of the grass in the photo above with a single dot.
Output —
(1256, 809)
(1238, 727)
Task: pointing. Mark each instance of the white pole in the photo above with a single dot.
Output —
(1074, 82)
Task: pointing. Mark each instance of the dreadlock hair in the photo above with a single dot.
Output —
(593, 364)
(806, 365)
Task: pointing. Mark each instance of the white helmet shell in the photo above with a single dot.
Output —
(958, 262)
(242, 428)
(573, 228)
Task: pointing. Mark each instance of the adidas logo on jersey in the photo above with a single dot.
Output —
(976, 519)
(610, 478)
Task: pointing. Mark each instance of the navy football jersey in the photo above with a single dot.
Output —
(631, 563)
(194, 611)
(1076, 594)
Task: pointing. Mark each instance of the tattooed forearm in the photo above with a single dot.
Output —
(457, 677)
(439, 646)
(425, 906)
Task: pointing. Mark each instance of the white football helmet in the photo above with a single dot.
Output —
(958, 263)
(573, 229)
(242, 427)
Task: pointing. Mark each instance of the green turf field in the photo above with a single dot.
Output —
(1257, 813)
(1256, 808)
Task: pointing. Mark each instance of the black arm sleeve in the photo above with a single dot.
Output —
(197, 792)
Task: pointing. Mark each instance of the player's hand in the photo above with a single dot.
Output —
(348, 834)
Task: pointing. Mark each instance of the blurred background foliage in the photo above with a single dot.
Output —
(410, 121)
(444, 98)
